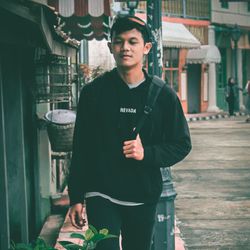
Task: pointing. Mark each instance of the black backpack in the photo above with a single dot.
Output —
(154, 90)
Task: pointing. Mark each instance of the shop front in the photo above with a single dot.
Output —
(201, 78)
(177, 39)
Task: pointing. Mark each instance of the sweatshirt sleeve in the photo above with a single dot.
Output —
(76, 171)
(176, 143)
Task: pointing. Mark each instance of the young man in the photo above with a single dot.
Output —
(117, 175)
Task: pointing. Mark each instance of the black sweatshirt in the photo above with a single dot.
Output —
(107, 112)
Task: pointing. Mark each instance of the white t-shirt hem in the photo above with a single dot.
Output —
(119, 202)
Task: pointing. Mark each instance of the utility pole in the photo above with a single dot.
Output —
(164, 236)
(155, 24)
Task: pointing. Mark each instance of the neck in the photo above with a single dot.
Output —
(131, 76)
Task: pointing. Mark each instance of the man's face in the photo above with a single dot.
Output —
(128, 48)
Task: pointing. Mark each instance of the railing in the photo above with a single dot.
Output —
(60, 167)
(198, 8)
(53, 83)
(195, 9)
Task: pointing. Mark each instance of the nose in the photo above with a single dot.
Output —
(125, 46)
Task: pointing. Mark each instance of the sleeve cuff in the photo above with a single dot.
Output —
(75, 199)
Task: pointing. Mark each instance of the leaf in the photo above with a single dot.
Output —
(110, 236)
(70, 245)
(97, 238)
(77, 236)
(38, 244)
(73, 247)
(37, 247)
(104, 231)
(91, 245)
(64, 242)
(85, 245)
(22, 246)
(93, 229)
(89, 234)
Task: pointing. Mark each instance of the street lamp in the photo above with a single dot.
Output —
(235, 34)
(132, 5)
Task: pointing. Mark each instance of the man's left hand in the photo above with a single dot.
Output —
(134, 149)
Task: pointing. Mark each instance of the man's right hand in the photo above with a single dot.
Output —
(75, 215)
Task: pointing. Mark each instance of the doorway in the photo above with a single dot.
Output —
(194, 88)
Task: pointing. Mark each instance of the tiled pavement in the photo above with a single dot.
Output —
(65, 232)
(66, 229)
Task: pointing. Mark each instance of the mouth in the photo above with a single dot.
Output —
(125, 56)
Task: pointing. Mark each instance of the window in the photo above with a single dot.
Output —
(171, 67)
(198, 9)
(171, 77)
(224, 4)
(53, 81)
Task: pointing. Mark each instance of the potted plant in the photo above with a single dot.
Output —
(89, 239)
(39, 244)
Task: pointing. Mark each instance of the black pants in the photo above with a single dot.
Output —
(134, 223)
(231, 106)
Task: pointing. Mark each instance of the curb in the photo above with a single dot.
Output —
(212, 117)
(179, 242)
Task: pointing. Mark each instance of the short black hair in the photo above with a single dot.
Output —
(128, 22)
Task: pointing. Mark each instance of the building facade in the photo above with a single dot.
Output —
(231, 24)
(39, 66)
(29, 45)
(184, 27)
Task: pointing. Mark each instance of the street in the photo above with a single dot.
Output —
(213, 186)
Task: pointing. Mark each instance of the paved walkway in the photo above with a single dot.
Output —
(181, 238)
(213, 186)
(67, 229)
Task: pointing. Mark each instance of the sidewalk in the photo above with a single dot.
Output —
(66, 229)
(58, 226)
(212, 183)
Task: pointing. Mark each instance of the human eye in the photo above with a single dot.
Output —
(117, 41)
(133, 41)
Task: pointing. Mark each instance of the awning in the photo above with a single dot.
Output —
(205, 54)
(83, 19)
(37, 25)
(176, 35)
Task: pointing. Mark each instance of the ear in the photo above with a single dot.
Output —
(147, 48)
(110, 48)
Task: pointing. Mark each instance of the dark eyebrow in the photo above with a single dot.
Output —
(120, 38)
(135, 38)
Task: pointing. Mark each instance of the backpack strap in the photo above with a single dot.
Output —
(154, 90)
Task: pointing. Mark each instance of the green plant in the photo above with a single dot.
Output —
(97, 71)
(39, 244)
(89, 239)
